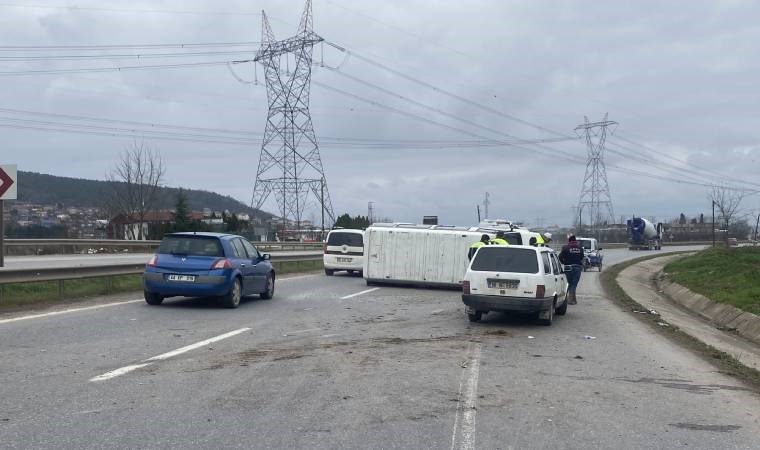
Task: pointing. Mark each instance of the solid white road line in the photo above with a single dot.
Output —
(68, 311)
(108, 305)
(463, 436)
(167, 355)
(359, 293)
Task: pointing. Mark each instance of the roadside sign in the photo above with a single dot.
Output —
(8, 182)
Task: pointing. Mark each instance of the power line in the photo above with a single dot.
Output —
(88, 47)
(113, 69)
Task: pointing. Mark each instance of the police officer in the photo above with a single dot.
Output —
(499, 239)
(539, 240)
(572, 255)
(484, 240)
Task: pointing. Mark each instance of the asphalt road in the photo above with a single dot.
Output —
(330, 363)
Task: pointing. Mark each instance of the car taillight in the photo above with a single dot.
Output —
(466, 287)
(153, 262)
(540, 291)
(222, 263)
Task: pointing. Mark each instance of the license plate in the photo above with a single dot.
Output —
(185, 278)
(345, 259)
(503, 284)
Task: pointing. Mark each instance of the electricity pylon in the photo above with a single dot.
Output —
(290, 165)
(595, 200)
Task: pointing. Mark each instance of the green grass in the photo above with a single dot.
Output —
(20, 295)
(730, 276)
(726, 363)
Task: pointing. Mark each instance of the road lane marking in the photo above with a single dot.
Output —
(359, 293)
(107, 305)
(463, 436)
(68, 311)
(147, 362)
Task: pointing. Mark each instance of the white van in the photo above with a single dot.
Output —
(344, 250)
(515, 278)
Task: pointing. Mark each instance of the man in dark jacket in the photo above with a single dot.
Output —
(572, 255)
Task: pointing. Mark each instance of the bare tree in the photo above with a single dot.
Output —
(726, 201)
(135, 181)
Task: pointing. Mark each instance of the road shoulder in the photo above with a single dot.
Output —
(633, 285)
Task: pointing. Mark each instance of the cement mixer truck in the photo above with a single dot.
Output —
(644, 235)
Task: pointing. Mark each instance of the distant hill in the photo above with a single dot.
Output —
(50, 189)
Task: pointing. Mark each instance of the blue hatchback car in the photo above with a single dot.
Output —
(208, 264)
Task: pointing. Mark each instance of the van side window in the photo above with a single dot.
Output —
(547, 264)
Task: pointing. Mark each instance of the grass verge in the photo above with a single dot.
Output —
(725, 363)
(22, 296)
(16, 296)
(724, 275)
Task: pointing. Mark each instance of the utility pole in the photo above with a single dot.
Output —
(478, 206)
(595, 192)
(713, 222)
(371, 212)
(322, 201)
(2, 233)
(290, 166)
(486, 204)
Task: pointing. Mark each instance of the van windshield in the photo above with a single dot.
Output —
(505, 259)
(349, 239)
(191, 246)
(585, 243)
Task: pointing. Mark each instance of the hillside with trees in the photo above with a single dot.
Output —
(75, 192)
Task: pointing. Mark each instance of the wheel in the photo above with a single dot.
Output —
(153, 299)
(371, 283)
(562, 310)
(546, 317)
(232, 299)
(475, 317)
(269, 289)
(329, 272)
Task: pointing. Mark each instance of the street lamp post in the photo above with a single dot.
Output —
(713, 222)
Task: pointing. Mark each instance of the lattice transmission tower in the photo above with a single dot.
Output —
(290, 166)
(595, 201)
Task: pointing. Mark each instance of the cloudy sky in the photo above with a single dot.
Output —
(680, 77)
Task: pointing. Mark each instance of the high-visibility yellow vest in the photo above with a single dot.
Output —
(540, 241)
(478, 244)
(499, 241)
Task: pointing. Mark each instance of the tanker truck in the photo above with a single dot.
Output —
(644, 235)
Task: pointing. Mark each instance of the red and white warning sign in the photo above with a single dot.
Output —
(8, 181)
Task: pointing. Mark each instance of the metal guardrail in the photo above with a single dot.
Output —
(70, 246)
(8, 276)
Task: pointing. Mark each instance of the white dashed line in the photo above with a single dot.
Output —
(126, 369)
(359, 293)
(463, 436)
(67, 311)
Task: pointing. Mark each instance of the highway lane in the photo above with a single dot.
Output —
(330, 363)
(50, 261)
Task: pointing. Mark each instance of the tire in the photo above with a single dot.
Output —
(546, 317)
(329, 272)
(153, 299)
(269, 288)
(232, 298)
(371, 283)
(475, 317)
(562, 310)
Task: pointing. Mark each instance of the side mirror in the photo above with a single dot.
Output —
(600, 248)
(266, 256)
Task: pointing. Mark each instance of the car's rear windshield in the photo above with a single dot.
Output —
(191, 246)
(505, 259)
(585, 243)
(349, 239)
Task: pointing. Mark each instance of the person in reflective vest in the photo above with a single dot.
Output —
(499, 239)
(484, 240)
(540, 240)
